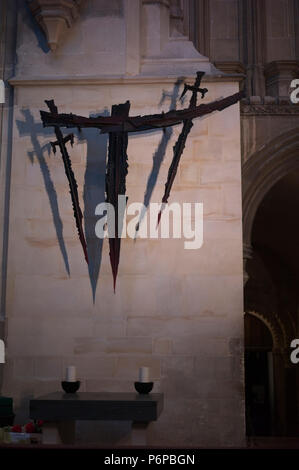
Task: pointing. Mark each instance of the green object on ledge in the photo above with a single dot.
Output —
(6, 411)
(6, 401)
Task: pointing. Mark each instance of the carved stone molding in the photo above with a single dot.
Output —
(231, 67)
(279, 75)
(163, 2)
(54, 17)
(269, 109)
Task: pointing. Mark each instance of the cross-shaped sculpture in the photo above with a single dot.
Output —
(118, 125)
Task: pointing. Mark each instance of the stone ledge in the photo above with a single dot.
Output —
(268, 105)
(269, 109)
(114, 80)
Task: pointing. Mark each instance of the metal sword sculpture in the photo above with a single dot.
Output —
(61, 142)
(118, 125)
(117, 170)
(181, 142)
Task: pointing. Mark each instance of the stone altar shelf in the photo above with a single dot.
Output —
(60, 411)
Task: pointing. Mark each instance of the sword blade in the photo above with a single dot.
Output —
(117, 169)
(179, 146)
(61, 142)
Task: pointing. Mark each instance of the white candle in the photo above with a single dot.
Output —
(144, 374)
(71, 374)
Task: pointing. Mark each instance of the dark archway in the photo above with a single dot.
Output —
(263, 170)
(259, 379)
(271, 290)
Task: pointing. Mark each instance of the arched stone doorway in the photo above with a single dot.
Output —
(262, 170)
(259, 379)
(271, 254)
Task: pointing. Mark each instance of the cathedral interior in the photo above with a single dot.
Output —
(253, 45)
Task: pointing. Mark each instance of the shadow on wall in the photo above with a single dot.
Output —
(94, 185)
(94, 179)
(159, 154)
(33, 129)
(29, 21)
(94, 194)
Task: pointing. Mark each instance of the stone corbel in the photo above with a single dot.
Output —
(54, 17)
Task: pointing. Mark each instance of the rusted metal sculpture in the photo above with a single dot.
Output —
(61, 143)
(117, 170)
(138, 123)
(181, 142)
(118, 125)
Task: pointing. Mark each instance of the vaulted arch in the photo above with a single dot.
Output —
(271, 324)
(263, 169)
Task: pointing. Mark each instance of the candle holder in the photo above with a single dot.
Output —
(143, 387)
(70, 387)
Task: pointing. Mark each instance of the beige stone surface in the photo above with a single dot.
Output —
(172, 308)
(183, 309)
(176, 311)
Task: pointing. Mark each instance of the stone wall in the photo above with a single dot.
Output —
(177, 311)
(95, 43)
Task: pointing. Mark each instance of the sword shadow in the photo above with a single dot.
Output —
(33, 129)
(94, 194)
(159, 155)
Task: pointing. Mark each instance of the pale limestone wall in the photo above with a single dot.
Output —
(95, 44)
(177, 311)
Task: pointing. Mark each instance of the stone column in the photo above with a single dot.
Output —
(254, 42)
(8, 11)
(154, 26)
(165, 48)
(176, 19)
(280, 425)
(247, 255)
(133, 27)
(279, 75)
(199, 25)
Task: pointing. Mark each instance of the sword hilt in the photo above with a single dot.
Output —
(52, 106)
(195, 89)
(67, 138)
